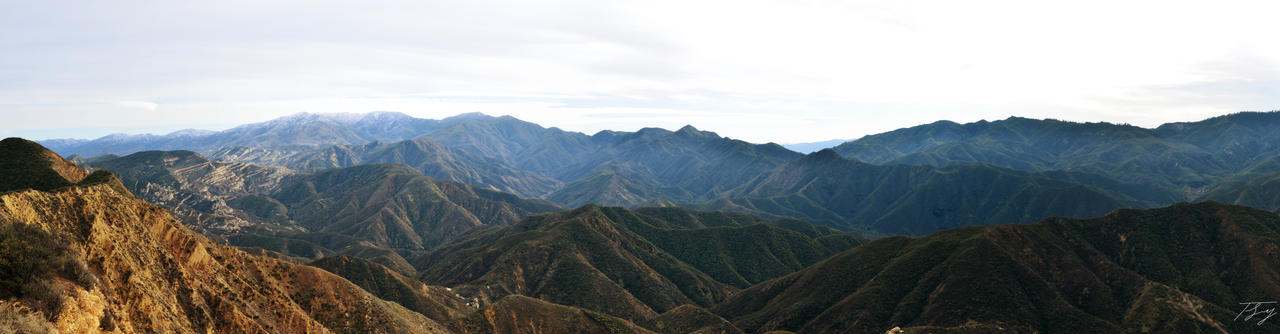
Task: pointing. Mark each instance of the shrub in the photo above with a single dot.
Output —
(108, 322)
(17, 319)
(29, 257)
(612, 324)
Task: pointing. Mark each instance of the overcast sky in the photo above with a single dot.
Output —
(781, 71)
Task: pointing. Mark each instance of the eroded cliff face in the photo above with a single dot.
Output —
(388, 206)
(151, 274)
(201, 192)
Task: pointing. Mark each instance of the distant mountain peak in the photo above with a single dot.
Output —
(588, 209)
(118, 136)
(386, 114)
(811, 147)
(373, 116)
(689, 130)
(190, 133)
(824, 155)
(470, 115)
(297, 117)
(646, 132)
(341, 117)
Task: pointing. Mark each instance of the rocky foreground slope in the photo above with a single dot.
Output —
(79, 253)
(133, 268)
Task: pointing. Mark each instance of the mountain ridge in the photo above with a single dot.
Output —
(638, 265)
(1105, 274)
(828, 189)
(690, 167)
(231, 198)
(1185, 156)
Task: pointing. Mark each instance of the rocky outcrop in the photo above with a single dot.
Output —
(215, 198)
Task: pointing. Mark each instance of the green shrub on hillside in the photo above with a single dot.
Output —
(29, 257)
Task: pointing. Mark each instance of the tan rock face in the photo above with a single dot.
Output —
(153, 275)
(82, 310)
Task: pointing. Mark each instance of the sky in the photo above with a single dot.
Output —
(761, 71)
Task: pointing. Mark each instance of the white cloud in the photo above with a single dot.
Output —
(140, 105)
(783, 71)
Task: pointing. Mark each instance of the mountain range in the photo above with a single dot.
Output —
(916, 200)
(1188, 157)
(92, 256)
(110, 261)
(498, 153)
(1042, 167)
(478, 224)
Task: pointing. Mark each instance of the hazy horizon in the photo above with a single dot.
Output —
(760, 71)
(671, 128)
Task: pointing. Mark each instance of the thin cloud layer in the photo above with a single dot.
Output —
(784, 71)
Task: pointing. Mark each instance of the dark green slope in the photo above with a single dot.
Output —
(438, 303)
(914, 200)
(304, 247)
(1257, 186)
(735, 249)
(1024, 141)
(1255, 190)
(685, 166)
(527, 146)
(286, 246)
(516, 314)
(616, 184)
(689, 319)
(1179, 269)
(396, 206)
(511, 314)
(1239, 139)
(27, 165)
(632, 264)
(577, 258)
